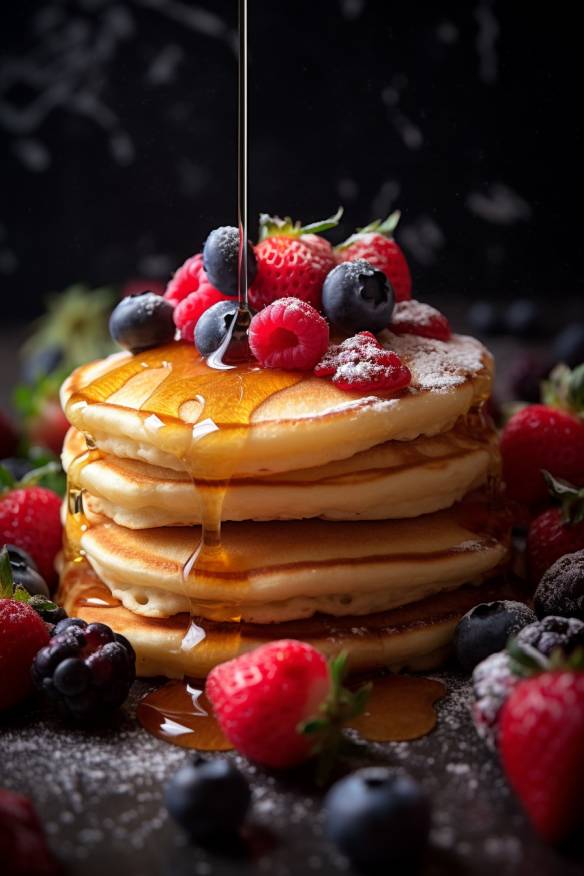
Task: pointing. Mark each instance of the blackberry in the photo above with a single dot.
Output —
(86, 669)
(561, 590)
(551, 633)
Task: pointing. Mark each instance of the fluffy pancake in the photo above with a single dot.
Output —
(168, 408)
(272, 572)
(415, 637)
(392, 480)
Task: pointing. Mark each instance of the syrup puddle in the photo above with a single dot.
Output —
(400, 708)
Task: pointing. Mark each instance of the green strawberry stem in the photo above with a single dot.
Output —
(18, 593)
(571, 498)
(48, 474)
(386, 228)
(564, 388)
(273, 226)
(340, 706)
(6, 579)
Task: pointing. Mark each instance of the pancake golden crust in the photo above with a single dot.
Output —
(309, 566)
(167, 407)
(416, 636)
(392, 480)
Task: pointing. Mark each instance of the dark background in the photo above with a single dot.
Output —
(117, 127)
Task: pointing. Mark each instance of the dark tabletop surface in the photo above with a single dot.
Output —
(100, 797)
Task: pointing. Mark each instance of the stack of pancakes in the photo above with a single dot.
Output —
(366, 522)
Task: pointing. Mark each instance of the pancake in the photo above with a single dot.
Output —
(392, 480)
(168, 408)
(416, 637)
(272, 572)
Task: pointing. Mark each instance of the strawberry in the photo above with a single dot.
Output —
(48, 427)
(416, 318)
(376, 245)
(30, 518)
(281, 703)
(23, 846)
(542, 749)
(541, 437)
(557, 531)
(292, 260)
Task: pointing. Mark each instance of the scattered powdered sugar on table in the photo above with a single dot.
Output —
(99, 795)
(437, 365)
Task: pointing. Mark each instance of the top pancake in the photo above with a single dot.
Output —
(168, 408)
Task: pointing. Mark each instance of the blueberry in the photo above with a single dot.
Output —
(49, 615)
(483, 318)
(486, 628)
(220, 260)
(213, 325)
(357, 297)
(561, 589)
(379, 817)
(568, 345)
(523, 319)
(208, 797)
(25, 572)
(142, 321)
(553, 632)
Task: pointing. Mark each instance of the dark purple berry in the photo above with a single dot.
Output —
(551, 633)
(220, 260)
(486, 629)
(208, 798)
(379, 818)
(561, 589)
(85, 669)
(356, 297)
(142, 321)
(213, 325)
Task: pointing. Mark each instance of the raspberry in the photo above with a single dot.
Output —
(30, 518)
(22, 634)
(188, 311)
(289, 333)
(186, 279)
(23, 847)
(362, 364)
(493, 681)
(86, 669)
(415, 318)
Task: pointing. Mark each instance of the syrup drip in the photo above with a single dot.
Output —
(400, 708)
(76, 522)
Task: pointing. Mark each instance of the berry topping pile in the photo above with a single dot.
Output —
(289, 333)
(281, 703)
(85, 669)
(416, 318)
(376, 245)
(362, 364)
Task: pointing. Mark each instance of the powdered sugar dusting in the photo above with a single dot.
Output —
(438, 365)
(412, 311)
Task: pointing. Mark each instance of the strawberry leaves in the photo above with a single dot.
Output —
(272, 226)
(46, 473)
(571, 498)
(564, 388)
(385, 227)
(340, 706)
(8, 589)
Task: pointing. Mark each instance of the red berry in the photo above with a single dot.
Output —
(188, 311)
(362, 364)
(186, 279)
(23, 847)
(541, 437)
(22, 634)
(291, 267)
(542, 749)
(383, 253)
(415, 318)
(8, 436)
(288, 333)
(48, 427)
(549, 538)
(262, 697)
(30, 518)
